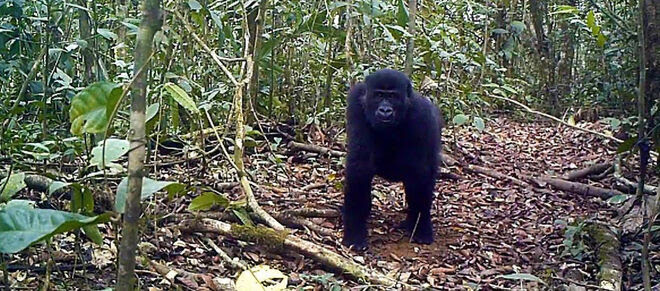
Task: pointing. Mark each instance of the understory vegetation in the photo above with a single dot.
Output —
(201, 145)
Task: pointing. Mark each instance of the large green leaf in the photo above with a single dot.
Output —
(460, 119)
(149, 187)
(402, 14)
(479, 123)
(181, 97)
(207, 200)
(114, 149)
(12, 185)
(21, 225)
(89, 112)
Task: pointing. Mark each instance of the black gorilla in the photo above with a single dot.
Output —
(394, 133)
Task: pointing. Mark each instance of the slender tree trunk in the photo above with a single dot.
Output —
(649, 92)
(347, 43)
(151, 22)
(255, 24)
(565, 64)
(120, 51)
(412, 8)
(538, 10)
(84, 25)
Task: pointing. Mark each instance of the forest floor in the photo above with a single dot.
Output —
(484, 227)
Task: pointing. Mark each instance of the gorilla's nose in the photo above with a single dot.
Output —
(384, 113)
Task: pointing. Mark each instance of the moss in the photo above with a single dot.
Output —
(608, 248)
(263, 236)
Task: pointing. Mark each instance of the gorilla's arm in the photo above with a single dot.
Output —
(359, 171)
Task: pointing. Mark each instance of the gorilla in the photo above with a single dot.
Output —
(393, 132)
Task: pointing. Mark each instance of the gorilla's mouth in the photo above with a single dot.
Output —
(386, 120)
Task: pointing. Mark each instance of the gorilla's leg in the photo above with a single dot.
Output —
(357, 207)
(419, 196)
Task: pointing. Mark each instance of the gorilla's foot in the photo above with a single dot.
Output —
(423, 233)
(357, 244)
(423, 238)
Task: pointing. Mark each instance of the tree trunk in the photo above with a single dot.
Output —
(347, 42)
(255, 24)
(649, 91)
(151, 22)
(538, 10)
(412, 8)
(565, 64)
(84, 25)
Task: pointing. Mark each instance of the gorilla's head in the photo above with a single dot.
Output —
(387, 99)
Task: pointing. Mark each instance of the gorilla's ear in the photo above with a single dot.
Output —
(363, 98)
(411, 92)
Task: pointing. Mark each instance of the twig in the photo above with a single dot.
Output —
(312, 212)
(236, 263)
(530, 110)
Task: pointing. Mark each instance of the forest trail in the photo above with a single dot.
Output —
(484, 227)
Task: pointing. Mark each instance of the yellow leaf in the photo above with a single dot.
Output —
(261, 277)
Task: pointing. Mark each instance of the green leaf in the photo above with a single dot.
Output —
(601, 39)
(402, 16)
(114, 149)
(591, 19)
(521, 276)
(149, 187)
(89, 112)
(108, 34)
(181, 97)
(56, 185)
(460, 119)
(215, 15)
(206, 201)
(92, 232)
(21, 225)
(243, 216)
(509, 89)
(627, 145)
(517, 27)
(261, 277)
(12, 184)
(194, 5)
(500, 31)
(618, 199)
(565, 9)
(152, 110)
(479, 123)
(614, 123)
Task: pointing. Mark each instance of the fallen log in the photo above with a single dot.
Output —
(579, 188)
(607, 247)
(282, 240)
(588, 171)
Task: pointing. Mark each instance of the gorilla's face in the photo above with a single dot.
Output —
(387, 98)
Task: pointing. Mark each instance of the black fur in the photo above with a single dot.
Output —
(402, 148)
